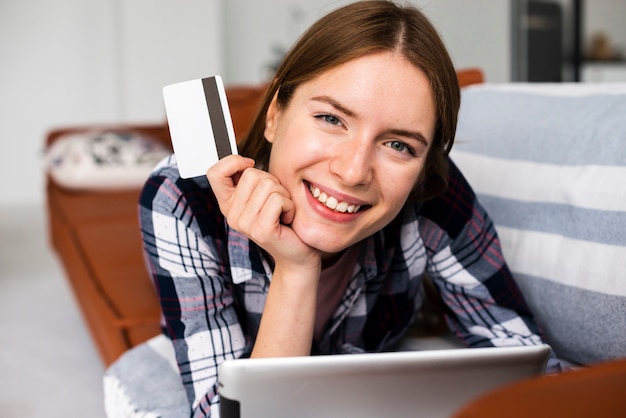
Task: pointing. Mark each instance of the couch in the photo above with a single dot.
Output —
(548, 161)
(93, 225)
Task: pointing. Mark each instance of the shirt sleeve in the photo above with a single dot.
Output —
(482, 302)
(185, 248)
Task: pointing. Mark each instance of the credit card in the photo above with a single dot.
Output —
(200, 124)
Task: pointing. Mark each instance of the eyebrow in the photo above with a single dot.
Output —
(410, 134)
(334, 103)
(401, 132)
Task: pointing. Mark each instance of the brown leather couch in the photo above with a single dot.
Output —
(96, 235)
(596, 391)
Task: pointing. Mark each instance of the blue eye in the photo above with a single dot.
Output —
(330, 119)
(400, 147)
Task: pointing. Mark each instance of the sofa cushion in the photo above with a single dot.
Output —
(549, 164)
(105, 159)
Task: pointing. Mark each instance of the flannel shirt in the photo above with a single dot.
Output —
(212, 281)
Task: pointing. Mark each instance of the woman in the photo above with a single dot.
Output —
(316, 238)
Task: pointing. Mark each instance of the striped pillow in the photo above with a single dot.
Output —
(548, 162)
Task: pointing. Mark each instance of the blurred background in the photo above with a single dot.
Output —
(87, 61)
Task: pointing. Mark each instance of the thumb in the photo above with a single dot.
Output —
(289, 212)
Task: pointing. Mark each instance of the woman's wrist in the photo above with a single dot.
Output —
(288, 319)
(303, 272)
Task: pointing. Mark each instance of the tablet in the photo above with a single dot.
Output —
(400, 384)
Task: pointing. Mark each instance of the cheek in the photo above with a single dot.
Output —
(295, 146)
(399, 188)
(398, 197)
(288, 153)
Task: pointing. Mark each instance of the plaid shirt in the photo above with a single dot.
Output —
(212, 281)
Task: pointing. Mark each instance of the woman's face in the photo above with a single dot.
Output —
(350, 147)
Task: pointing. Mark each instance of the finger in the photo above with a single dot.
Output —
(223, 173)
(224, 176)
(250, 199)
(238, 202)
(288, 212)
(266, 226)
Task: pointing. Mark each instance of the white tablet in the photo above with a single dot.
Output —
(400, 384)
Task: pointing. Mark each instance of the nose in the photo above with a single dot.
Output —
(353, 162)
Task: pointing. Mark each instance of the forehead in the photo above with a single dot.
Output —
(384, 86)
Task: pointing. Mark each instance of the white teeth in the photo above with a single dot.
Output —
(342, 207)
(332, 202)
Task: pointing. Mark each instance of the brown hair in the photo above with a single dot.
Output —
(359, 29)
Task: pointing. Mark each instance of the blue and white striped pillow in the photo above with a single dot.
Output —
(548, 162)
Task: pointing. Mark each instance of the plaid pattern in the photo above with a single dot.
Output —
(212, 281)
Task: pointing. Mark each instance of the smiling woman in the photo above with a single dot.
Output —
(366, 104)
(317, 237)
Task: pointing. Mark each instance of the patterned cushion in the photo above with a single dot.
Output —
(549, 164)
(103, 159)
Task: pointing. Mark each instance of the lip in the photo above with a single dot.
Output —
(330, 214)
(338, 195)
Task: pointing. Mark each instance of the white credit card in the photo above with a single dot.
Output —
(200, 124)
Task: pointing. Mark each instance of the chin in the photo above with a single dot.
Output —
(321, 240)
(326, 247)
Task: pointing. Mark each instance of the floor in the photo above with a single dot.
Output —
(48, 364)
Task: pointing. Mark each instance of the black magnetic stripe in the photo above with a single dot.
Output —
(216, 114)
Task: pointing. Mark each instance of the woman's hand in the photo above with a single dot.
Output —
(257, 205)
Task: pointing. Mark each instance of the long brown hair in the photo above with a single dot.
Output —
(359, 29)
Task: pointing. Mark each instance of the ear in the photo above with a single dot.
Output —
(271, 119)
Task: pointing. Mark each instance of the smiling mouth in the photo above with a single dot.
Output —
(332, 203)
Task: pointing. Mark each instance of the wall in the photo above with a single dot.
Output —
(104, 61)
(606, 16)
(91, 61)
(56, 68)
(477, 33)
(253, 44)
(466, 27)
(88, 61)
(161, 42)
